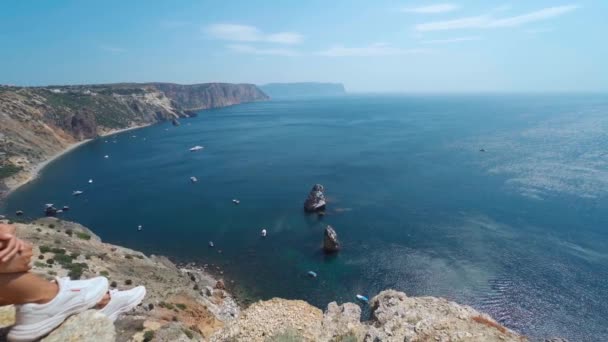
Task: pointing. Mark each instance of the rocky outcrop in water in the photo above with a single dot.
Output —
(330, 240)
(316, 199)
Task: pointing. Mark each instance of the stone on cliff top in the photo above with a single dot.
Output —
(342, 322)
(397, 317)
(316, 199)
(220, 285)
(330, 241)
(89, 326)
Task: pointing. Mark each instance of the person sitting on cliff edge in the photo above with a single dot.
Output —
(42, 305)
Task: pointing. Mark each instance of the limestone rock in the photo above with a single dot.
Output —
(274, 320)
(342, 323)
(220, 285)
(316, 199)
(7, 315)
(397, 317)
(89, 326)
(330, 241)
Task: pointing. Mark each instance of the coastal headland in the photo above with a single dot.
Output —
(39, 124)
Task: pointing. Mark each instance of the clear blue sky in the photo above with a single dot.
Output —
(401, 46)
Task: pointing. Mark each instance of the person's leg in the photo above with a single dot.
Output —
(23, 288)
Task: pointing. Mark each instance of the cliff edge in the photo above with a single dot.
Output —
(188, 304)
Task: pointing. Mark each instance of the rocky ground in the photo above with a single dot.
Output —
(180, 302)
(186, 304)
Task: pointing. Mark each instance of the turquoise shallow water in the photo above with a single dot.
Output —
(518, 231)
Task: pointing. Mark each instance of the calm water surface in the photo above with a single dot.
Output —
(518, 231)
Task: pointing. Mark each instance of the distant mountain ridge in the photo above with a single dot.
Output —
(278, 90)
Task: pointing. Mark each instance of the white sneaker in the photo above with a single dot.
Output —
(123, 301)
(36, 320)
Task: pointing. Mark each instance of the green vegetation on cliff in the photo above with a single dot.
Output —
(37, 122)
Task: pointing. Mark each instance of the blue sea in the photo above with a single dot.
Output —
(519, 231)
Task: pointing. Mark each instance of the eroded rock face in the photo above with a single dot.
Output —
(274, 320)
(342, 321)
(316, 199)
(395, 317)
(210, 95)
(89, 326)
(330, 241)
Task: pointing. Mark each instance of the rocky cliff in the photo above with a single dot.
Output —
(210, 95)
(187, 304)
(39, 122)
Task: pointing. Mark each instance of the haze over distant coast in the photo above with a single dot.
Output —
(299, 89)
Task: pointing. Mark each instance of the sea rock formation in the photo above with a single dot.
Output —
(330, 240)
(316, 199)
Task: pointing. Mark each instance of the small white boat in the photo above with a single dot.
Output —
(106, 156)
(193, 179)
(90, 181)
(196, 148)
(211, 244)
(77, 193)
(312, 274)
(362, 298)
(236, 201)
(264, 232)
(140, 227)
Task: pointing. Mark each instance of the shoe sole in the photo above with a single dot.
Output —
(26, 333)
(124, 309)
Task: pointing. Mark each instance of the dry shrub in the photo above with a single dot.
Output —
(489, 323)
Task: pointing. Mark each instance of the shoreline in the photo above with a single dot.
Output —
(32, 172)
(121, 130)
